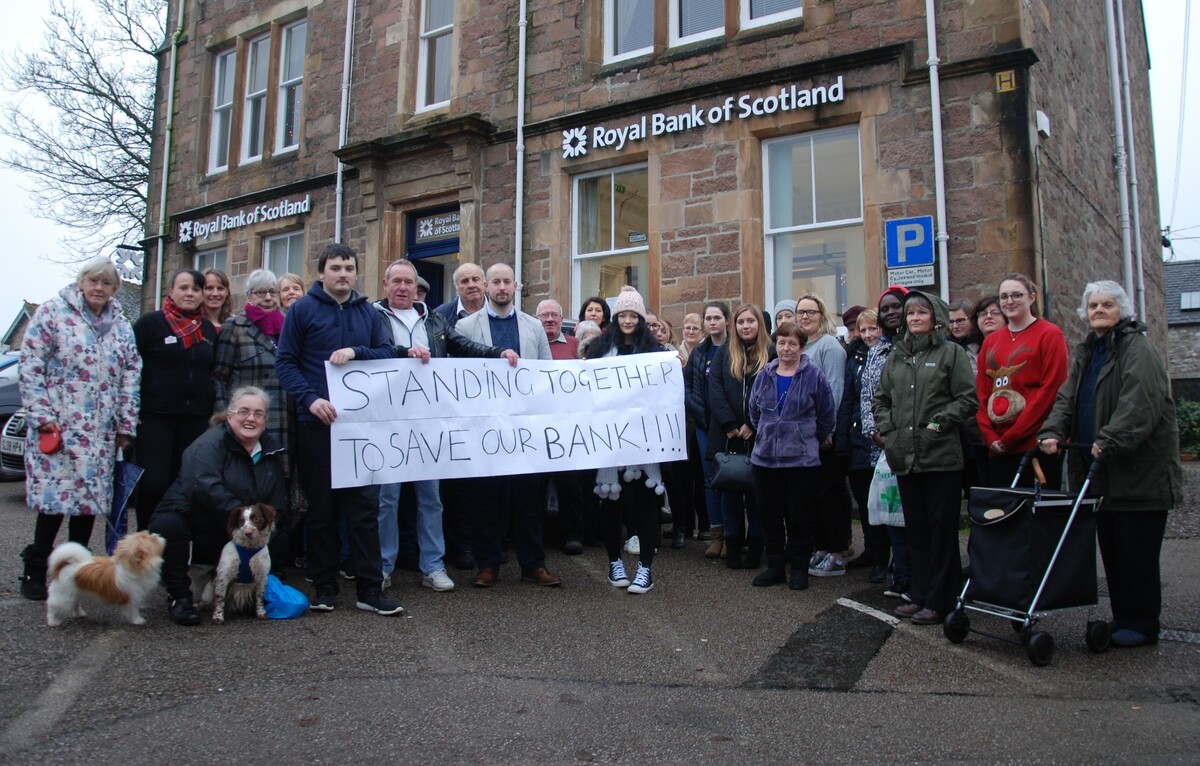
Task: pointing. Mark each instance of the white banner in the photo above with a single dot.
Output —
(399, 420)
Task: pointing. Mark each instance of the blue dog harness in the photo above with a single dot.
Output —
(244, 575)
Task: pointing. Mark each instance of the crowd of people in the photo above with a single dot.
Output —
(231, 409)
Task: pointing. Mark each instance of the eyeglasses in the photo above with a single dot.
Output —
(807, 312)
(244, 412)
(549, 315)
(654, 326)
(992, 312)
(264, 293)
(959, 321)
(1006, 297)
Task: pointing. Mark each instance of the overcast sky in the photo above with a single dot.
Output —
(30, 274)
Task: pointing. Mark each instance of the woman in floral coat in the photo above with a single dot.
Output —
(80, 375)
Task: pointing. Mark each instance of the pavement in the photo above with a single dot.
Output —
(704, 669)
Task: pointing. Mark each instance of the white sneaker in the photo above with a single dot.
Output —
(633, 547)
(387, 581)
(438, 581)
(642, 581)
(616, 574)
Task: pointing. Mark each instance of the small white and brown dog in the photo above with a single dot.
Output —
(125, 579)
(241, 576)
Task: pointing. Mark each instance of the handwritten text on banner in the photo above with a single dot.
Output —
(400, 420)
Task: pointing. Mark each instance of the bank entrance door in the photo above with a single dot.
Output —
(432, 237)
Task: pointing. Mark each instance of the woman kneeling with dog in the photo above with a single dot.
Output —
(233, 465)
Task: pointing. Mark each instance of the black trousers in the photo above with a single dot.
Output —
(569, 485)
(458, 515)
(161, 441)
(497, 498)
(831, 522)
(1130, 544)
(637, 502)
(326, 506)
(188, 544)
(1002, 469)
(931, 503)
(785, 502)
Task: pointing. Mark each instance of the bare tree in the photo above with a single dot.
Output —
(84, 116)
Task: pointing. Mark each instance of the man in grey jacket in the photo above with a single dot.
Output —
(503, 325)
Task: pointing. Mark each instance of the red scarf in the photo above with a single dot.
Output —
(185, 325)
(270, 322)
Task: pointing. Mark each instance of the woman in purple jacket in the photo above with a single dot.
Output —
(793, 413)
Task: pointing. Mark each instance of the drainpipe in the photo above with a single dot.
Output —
(344, 126)
(939, 174)
(519, 203)
(1119, 157)
(166, 168)
(1133, 178)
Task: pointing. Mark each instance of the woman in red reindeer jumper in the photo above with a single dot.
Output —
(1021, 368)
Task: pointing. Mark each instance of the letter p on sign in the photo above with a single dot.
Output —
(909, 242)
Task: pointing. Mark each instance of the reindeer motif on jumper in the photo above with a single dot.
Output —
(1005, 404)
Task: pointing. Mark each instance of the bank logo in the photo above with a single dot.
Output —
(575, 142)
(425, 228)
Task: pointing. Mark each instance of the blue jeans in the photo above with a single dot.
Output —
(712, 498)
(430, 541)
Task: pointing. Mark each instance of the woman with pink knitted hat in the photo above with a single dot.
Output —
(628, 333)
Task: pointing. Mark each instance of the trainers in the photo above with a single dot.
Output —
(387, 581)
(829, 567)
(379, 604)
(438, 581)
(896, 590)
(816, 558)
(633, 546)
(642, 581)
(616, 574)
(344, 571)
(323, 601)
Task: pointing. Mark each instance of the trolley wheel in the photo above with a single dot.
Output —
(1040, 648)
(1099, 637)
(956, 626)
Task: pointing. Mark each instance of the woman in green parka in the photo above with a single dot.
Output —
(1118, 399)
(926, 393)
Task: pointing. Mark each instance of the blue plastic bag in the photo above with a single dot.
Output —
(283, 602)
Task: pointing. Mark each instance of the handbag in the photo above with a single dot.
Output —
(883, 497)
(733, 473)
(283, 602)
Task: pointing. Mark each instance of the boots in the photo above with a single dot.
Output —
(733, 553)
(754, 552)
(774, 573)
(713, 551)
(799, 574)
(33, 580)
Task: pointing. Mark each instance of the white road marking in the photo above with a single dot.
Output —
(871, 611)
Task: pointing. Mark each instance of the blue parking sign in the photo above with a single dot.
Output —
(909, 242)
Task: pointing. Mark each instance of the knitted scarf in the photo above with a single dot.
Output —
(270, 322)
(185, 325)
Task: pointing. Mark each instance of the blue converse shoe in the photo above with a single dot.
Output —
(616, 574)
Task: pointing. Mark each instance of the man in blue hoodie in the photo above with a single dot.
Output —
(333, 323)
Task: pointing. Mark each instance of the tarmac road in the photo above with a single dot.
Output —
(704, 669)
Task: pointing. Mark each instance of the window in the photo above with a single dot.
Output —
(756, 13)
(222, 114)
(291, 76)
(693, 20)
(434, 64)
(611, 230)
(628, 28)
(814, 232)
(1189, 301)
(210, 259)
(284, 253)
(254, 111)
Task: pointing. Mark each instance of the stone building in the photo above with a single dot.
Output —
(1183, 327)
(743, 150)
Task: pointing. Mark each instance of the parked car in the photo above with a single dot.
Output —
(12, 449)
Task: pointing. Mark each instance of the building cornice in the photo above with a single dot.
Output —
(434, 135)
(283, 190)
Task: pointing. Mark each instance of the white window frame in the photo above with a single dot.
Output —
(259, 46)
(679, 39)
(221, 118)
(287, 236)
(1189, 301)
(428, 38)
(772, 18)
(610, 21)
(577, 258)
(212, 258)
(285, 83)
(769, 233)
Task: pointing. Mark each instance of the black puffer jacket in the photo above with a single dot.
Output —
(218, 475)
(848, 438)
(696, 396)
